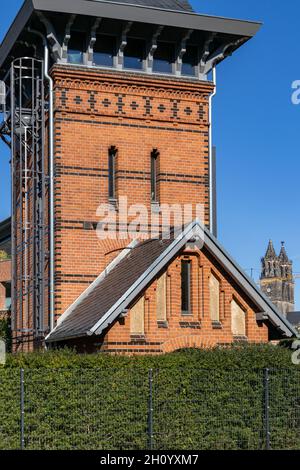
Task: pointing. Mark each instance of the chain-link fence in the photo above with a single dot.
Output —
(134, 409)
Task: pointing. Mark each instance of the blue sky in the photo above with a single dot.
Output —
(256, 131)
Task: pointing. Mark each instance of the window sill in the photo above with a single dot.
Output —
(186, 314)
(192, 325)
(163, 324)
(240, 339)
(217, 325)
(138, 339)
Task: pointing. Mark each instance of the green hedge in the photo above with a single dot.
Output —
(238, 356)
(202, 399)
(5, 332)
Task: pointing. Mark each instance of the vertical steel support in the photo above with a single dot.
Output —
(267, 408)
(13, 209)
(30, 186)
(150, 411)
(22, 408)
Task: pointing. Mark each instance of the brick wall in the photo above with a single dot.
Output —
(183, 331)
(95, 110)
(5, 276)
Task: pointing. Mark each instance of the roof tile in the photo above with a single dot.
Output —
(92, 308)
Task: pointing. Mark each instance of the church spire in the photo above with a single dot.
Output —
(270, 253)
(277, 278)
(283, 257)
(270, 266)
(286, 266)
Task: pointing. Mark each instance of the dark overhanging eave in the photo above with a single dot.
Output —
(126, 12)
(180, 19)
(15, 29)
(5, 226)
(68, 337)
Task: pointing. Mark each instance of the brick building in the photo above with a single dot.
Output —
(5, 269)
(118, 105)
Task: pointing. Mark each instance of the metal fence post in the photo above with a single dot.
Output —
(22, 412)
(150, 411)
(267, 408)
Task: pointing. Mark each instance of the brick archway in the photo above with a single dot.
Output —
(187, 341)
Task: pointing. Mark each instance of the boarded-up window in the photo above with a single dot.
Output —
(137, 318)
(214, 293)
(161, 298)
(238, 319)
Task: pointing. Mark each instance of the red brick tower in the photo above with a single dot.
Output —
(118, 105)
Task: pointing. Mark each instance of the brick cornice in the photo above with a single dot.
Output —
(85, 78)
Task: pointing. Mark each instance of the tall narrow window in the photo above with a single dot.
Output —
(238, 320)
(76, 48)
(104, 50)
(134, 54)
(189, 61)
(137, 318)
(154, 167)
(214, 294)
(112, 160)
(186, 287)
(164, 58)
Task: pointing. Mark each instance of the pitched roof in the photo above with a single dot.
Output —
(109, 288)
(133, 270)
(5, 236)
(181, 5)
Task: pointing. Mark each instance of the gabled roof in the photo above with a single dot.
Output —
(181, 5)
(135, 268)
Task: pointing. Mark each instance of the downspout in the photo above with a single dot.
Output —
(51, 175)
(211, 176)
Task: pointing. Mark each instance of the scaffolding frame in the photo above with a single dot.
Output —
(30, 186)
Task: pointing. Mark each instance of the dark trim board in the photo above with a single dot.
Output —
(126, 12)
(150, 15)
